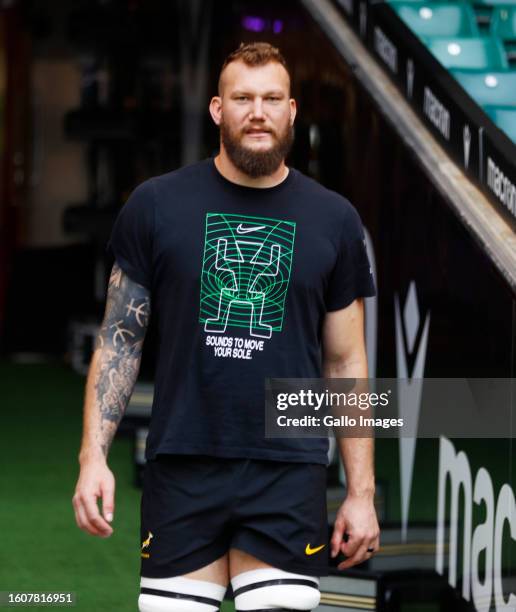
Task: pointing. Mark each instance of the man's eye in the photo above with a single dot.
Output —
(242, 98)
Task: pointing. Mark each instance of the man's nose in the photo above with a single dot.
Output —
(257, 110)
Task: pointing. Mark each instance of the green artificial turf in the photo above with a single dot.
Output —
(42, 549)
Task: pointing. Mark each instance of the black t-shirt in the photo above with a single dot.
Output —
(240, 281)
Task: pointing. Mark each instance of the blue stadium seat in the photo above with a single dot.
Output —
(481, 53)
(505, 118)
(437, 18)
(488, 87)
(503, 23)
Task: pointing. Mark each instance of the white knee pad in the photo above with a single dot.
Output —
(274, 589)
(179, 594)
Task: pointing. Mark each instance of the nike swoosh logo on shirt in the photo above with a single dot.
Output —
(312, 551)
(246, 230)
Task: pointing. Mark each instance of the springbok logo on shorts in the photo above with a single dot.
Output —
(245, 274)
(146, 544)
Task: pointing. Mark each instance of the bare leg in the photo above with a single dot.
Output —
(216, 572)
(240, 562)
(198, 591)
(258, 586)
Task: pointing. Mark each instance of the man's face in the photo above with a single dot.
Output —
(255, 116)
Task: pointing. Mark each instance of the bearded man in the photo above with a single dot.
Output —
(252, 270)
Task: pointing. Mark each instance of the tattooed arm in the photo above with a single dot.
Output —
(111, 378)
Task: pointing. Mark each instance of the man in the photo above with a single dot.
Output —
(249, 267)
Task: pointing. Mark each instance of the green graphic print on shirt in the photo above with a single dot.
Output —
(245, 275)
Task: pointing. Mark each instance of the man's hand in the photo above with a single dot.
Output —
(356, 529)
(95, 481)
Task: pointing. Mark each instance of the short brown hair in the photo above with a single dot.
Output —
(254, 54)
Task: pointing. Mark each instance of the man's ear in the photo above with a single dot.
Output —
(216, 109)
(293, 110)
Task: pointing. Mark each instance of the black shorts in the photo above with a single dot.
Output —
(195, 508)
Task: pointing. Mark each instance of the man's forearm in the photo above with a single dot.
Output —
(110, 382)
(358, 458)
(357, 453)
(115, 364)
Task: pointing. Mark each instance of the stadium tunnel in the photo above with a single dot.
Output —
(408, 108)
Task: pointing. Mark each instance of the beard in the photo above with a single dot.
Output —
(257, 163)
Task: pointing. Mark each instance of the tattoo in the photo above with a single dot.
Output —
(118, 334)
(120, 340)
(140, 312)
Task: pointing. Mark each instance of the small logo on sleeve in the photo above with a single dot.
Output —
(311, 551)
(146, 544)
